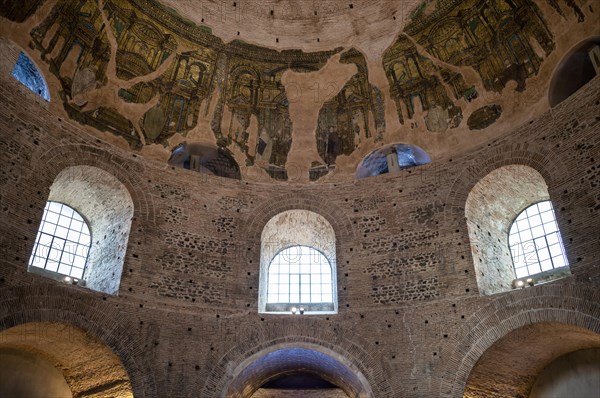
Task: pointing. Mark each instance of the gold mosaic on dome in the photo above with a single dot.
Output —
(153, 75)
(499, 39)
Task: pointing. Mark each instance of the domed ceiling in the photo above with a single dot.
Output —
(297, 90)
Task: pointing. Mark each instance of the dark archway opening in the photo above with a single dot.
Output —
(205, 158)
(575, 70)
(297, 372)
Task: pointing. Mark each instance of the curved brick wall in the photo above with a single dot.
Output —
(410, 317)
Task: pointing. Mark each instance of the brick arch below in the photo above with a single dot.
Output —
(46, 310)
(352, 354)
(532, 316)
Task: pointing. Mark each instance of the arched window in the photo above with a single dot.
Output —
(390, 159)
(511, 238)
(84, 230)
(535, 242)
(27, 73)
(63, 242)
(298, 265)
(300, 278)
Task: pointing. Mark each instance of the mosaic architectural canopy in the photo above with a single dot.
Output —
(288, 88)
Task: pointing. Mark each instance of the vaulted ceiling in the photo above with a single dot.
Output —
(296, 90)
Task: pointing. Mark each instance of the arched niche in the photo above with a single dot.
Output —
(491, 207)
(305, 369)
(292, 228)
(391, 159)
(73, 362)
(205, 158)
(511, 366)
(579, 66)
(105, 203)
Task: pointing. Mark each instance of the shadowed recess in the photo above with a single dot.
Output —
(511, 365)
(66, 356)
(575, 70)
(391, 158)
(299, 369)
(205, 158)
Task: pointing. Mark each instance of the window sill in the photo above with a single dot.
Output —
(542, 277)
(300, 309)
(56, 276)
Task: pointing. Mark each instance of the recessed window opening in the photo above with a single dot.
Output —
(391, 159)
(515, 242)
(63, 241)
(300, 276)
(27, 73)
(298, 265)
(205, 158)
(575, 70)
(84, 230)
(535, 242)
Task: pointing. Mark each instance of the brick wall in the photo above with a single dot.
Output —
(411, 318)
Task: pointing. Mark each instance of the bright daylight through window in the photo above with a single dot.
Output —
(63, 241)
(300, 276)
(535, 242)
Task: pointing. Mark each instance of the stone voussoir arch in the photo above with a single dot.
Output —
(294, 201)
(250, 346)
(541, 159)
(56, 159)
(49, 304)
(566, 304)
